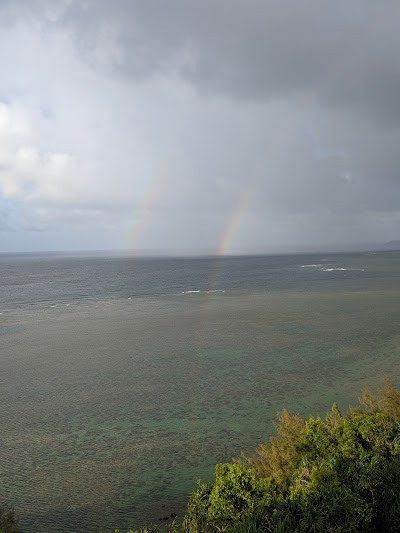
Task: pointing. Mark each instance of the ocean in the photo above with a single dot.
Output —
(125, 380)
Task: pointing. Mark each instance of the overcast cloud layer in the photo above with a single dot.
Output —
(188, 126)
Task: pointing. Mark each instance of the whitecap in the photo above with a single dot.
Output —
(311, 266)
(190, 292)
(215, 290)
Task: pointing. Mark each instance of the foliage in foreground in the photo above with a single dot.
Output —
(8, 521)
(334, 475)
(340, 474)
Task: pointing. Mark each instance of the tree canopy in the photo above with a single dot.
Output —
(338, 474)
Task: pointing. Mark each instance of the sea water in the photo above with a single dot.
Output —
(124, 380)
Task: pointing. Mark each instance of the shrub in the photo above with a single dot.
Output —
(341, 474)
(8, 521)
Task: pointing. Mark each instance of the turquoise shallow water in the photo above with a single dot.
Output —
(112, 407)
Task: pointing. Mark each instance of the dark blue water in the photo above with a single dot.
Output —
(124, 380)
(35, 280)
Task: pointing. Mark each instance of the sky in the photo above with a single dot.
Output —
(212, 126)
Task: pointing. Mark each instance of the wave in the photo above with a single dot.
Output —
(215, 290)
(190, 292)
(311, 266)
(343, 269)
(197, 291)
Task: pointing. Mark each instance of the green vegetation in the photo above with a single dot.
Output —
(339, 474)
(8, 521)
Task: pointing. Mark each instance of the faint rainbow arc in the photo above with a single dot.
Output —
(332, 72)
(236, 216)
(142, 214)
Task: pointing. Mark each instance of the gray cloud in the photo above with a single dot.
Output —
(163, 119)
(341, 53)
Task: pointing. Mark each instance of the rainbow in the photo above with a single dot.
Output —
(230, 231)
(235, 219)
(142, 215)
(140, 219)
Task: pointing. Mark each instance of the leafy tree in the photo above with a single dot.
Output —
(8, 521)
(338, 474)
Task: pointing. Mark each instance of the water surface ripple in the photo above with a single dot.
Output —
(123, 380)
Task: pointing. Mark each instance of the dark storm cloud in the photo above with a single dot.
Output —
(295, 100)
(342, 56)
(341, 53)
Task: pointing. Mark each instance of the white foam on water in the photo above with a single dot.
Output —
(311, 266)
(215, 290)
(189, 292)
(343, 269)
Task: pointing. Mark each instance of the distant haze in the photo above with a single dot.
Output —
(205, 127)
